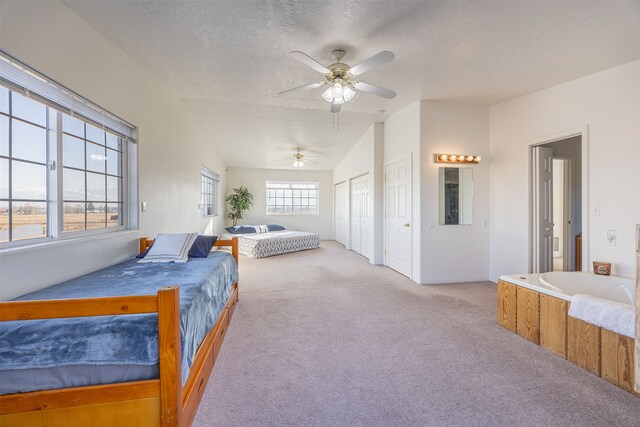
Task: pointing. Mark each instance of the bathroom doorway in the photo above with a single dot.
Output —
(557, 205)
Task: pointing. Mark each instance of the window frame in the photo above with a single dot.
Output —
(54, 181)
(292, 213)
(209, 174)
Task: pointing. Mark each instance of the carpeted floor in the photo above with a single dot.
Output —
(324, 338)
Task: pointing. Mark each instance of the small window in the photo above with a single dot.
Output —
(292, 198)
(209, 181)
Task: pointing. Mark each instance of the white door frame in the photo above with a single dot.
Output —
(384, 219)
(583, 132)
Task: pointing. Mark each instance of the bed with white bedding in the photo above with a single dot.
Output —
(262, 245)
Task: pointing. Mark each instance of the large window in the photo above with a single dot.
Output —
(209, 181)
(292, 198)
(62, 174)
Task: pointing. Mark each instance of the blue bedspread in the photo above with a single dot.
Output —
(205, 286)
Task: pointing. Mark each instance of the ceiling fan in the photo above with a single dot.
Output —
(341, 78)
(299, 159)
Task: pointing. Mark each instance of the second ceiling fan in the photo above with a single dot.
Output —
(341, 78)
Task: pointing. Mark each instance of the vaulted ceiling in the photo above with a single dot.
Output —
(227, 60)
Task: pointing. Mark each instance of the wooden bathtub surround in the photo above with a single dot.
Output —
(544, 319)
(155, 402)
(507, 305)
(583, 345)
(553, 324)
(528, 314)
(617, 361)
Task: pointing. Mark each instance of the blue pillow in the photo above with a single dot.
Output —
(241, 229)
(202, 246)
(275, 227)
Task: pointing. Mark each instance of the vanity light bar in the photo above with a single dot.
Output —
(456, 158)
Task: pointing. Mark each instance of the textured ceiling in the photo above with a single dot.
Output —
(228, 59)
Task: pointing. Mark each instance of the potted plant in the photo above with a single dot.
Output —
(239, 202)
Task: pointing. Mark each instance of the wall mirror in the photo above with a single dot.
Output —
(455, 196)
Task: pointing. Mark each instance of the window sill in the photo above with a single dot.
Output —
(64, 241)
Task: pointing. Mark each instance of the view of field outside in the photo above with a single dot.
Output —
(30, 220)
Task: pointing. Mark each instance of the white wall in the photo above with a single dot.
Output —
(402, 140)
(52, 39)
(255, 180)
(608, 104)
(366, 157)
(454, 253)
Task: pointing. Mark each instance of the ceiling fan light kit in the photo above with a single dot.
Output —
(341, 77)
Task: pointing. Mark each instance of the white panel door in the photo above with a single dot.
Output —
(366, 218)
(398, 250)
(543, 212)
(340, 231)
(356, 210)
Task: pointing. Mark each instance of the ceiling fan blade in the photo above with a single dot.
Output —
(335, 108)
(371, 63)
(309, 61)
(303, 88)
(380, 91)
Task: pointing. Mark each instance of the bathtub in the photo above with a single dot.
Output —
(566, 284)
(539, 307)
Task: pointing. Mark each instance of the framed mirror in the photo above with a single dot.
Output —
(455, 205)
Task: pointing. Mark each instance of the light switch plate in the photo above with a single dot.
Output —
(144, 206)
(595, 210)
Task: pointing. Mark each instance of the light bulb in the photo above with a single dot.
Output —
(337, 90)
(348, 93)
(328, 95)
(338, 100)
(298, 163)
(469, 158)
(477, 158)
(461, 157)
(444, 157)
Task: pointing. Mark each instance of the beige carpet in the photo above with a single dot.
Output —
(324, 338)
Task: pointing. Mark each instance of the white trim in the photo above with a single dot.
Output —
(47, 242)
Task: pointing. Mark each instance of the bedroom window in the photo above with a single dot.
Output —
(63, 161)
(209, 181)
(292, 198)
(92, 177)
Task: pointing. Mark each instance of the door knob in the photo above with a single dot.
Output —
(407, 225)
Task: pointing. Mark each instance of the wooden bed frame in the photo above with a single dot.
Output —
(157, 402)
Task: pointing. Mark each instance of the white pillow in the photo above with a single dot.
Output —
(170, 248)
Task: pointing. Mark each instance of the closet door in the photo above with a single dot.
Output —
(366, 217)
(356, 203)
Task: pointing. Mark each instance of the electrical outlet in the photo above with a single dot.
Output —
(144, 206)
(611, 237)
(595, 210)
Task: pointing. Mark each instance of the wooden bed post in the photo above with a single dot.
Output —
(143, 244)
(234, 249)
(170, 355)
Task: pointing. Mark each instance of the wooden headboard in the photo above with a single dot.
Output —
(146, 242)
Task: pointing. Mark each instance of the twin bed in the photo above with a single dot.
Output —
(132, 344)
